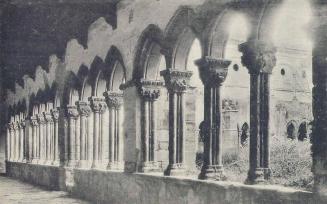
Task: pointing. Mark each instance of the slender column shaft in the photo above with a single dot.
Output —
(55, 150)
(111, 134)
(17, 142)
(153, 153)
(72, 117)
(8, 144)
(77, 139)
(22, 142)
(105, 138)
(90, 139)
(146, 142)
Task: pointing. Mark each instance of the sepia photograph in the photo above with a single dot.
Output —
(163, 101)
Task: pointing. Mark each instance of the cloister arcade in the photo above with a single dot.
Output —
(117, 114)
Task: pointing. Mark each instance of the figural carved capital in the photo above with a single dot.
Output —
(48, 117)
(83, 108)
(149, 89)
(55, 114)
(22, 124)
(40, 118)
(34, 121)
(98, 104)
(212, 71)
(258, 56)
(11, 126)
(72, 112)
(176, 80)
(114, 99)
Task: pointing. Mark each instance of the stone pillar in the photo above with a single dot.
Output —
(319, 103)
(149, 92)
(213, 73)
(22, 153)
(259, 58)
(34, 125)
(72, 114)
(114, 101)
(97, 105)
(55, 116)
(89, 141)
(48, 137)
(84, 112)
(177, 83)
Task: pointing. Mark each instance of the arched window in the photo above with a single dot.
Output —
(291, 131)
(303, 132)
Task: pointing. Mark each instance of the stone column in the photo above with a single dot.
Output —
(42, 133)
(72, 114)
(22, 153)
(213, 73)
(84, 112)
(177, 83)
(114, 101)
(149, 92)
(8, 143)
(97, 105)
(11, 141)
(55, 116)
(34, 124)
(17, 140)
(259, 58)
(48, 136)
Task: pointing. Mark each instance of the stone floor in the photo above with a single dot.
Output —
(13, 191)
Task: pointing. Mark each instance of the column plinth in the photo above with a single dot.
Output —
(177, 82)
(259, 58)
(213, 73)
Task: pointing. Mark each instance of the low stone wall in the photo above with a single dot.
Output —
(122, 188)
(46, 176)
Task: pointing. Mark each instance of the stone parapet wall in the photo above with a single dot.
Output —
(46, 176)
(116, 187)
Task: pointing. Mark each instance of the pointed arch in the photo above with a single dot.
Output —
(72, 89)
(179, 36)
(148, 53)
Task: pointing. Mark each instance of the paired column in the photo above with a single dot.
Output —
(48, 137)
(34, 124)
(98, 106)
(149, 92)
(55, 150)
(259, 58)
(213, 73)
(114, 101)
(17, 140)
(22, 138)
(177, 83)
(11, 141)
(41, 135)
(72, 115)
(84, 112)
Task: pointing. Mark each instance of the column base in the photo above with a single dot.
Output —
(95, 164)
(71, 163)
(56, 163)
(148, 167)
(212, 172)
(257, 176)
(83, 164)
(175, 170)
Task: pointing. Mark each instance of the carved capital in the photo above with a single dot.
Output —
(16, 125)
(55, 114)
(22, 124)
(34, 121)
(98, 104)
(212, 71)
(114, 99)
(11, 126)
(176, 80)
(72, 112)
(40, 118)
(48, 117)
(149, 89)
(83, 108)
(258, 56)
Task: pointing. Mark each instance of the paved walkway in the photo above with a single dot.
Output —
(13, 191)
